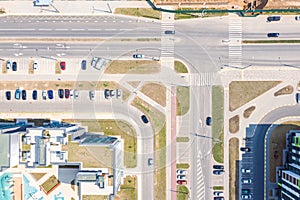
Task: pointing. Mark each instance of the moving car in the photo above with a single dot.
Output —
(273, 34)
(92, 94)
(67, 93)
(181, 182)
(14, 66)
(273, 18)
(218, 194)
(208, 121)
(150, 162)
(218, 166)
(61, 93)
(144, 119)
(218, 172)
(62, 65)
(44, 95)
(17, 94)
(34, 95)
(246, 196)
(138, 56)
(23, 94)
(246, 149)
(50, 94)
(170, 32)
(106, 93)
(83, 64)
(8, 64)
(244, 170)
(8, 95)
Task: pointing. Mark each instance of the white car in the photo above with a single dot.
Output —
(181, 177)
(140, 56)
(297, 18)
(71, 94)
(218, 194)
(44, 94)
(35, 65)
(8, 64)
(181, 172)
(246, 170)
(247, 181)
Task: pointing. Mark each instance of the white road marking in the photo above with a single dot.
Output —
(125, 29)
(17, 29)
(94, 29)
(104, 21)
(77, 29)
(45, 29)
(110, 29)
(61, 29)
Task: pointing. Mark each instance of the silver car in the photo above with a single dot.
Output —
(92, 94)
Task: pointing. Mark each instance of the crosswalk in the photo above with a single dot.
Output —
(202, 79)
(235, 38)
(167, 41)
(200, 180)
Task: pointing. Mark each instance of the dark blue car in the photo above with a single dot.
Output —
(14, 66)
(23, 94)
(273, 34)
(144, 119)
(50, 94)
(208, 121)
(34, 95)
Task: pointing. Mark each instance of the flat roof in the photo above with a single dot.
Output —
(4, 150)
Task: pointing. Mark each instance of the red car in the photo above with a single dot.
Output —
(67, 93)
(181, 182)
(63, 65)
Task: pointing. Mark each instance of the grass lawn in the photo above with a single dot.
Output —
(218, 122)
(182, 139)
(270, 41)
(234, 124)
(183, 100)
(128, 190)
(50, 184)
(160, 164)
(132, 67)
(156, 92)
(241, 92)
(182, 192)
(180, 67)
(37, 176)
(283, 91)
(218, 187)
(116, 127)
(233, 168)
(182, 166)
(139, 12)
(95, 197)
(156, 117)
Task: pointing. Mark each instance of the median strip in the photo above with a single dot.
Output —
(270, 41)
(74, 40)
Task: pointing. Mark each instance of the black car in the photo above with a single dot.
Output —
(218, 172)
(170, 32)
(273, 18)
(83, 64)
(14, 66)
(218, 166)
(106, 93)
(218, 198)
(8, 95)
(208, 121)
(23, 94)
(246, 149)
(50, 94)
(61, 93)
(273, 34)
(34, 95)
(298, 97)
(144, 119)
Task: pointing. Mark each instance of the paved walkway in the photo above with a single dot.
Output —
(69, 7)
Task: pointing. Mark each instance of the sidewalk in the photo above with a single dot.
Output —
(69, 7)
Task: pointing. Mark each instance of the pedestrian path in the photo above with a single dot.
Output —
(167, 41)
(202, 79)
(235, 40)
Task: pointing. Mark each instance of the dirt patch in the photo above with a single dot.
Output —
(156, 92)
(283, 91)
(4, 70)
(132, 67)
(277, 144)
(241, 92)
(234, 124)
(57, 67)
(233, 168)
(139, 12)
(248, 112)
(134, 84)
(30, 67)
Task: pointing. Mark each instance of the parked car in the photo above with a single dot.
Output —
(34, 95)
(23, 94)
(67, 93)
(273, 34)
(76, 94)
(181, 172)
(14, 66)
(170, 32)
(34, 65)
(246, 191)
(218, 166)
(218, 194)
(61, 93)
(62, 65)
(144, 119)
(71, 94)
(94, 61)
(298, 97)
(92, 94)
(44, 94)
(246, 196)
(181, 177)
(181, 182)
(17, 94)
(8, 64)
(273, 18)
(112, 93)
(140, 56)
(218, 172)
(50, 94)
(244, 170)
(8, 95)
(208, 121)
(218, 198)
(297, 18)
(246, 149)
(83, 64)
(106, 93)
(247, 181)
(150, 162)
(118, 93)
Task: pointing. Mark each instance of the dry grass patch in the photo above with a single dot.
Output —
(134, 84)
(132, 67)
(248, 112)
(241, 92)
(283, 91)
(30, 67)
(37, 176)
(4, 70)
(128, 189)
(182, 139)
(234, 124)
(277, 144)
(139, 12)
(57, 67)
(95, 197)
(182, 100)
(179, 67)
(233, 168)
(156, 92)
